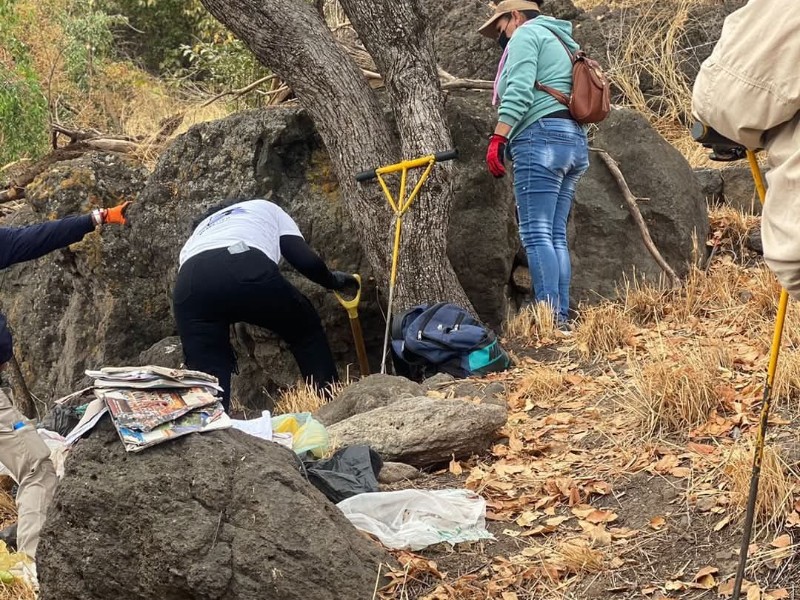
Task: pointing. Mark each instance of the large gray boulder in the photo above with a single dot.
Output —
(214, 516)
(606, 246)
(367, 394)
(423, 431)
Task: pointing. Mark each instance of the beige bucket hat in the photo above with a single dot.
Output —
(503, 8)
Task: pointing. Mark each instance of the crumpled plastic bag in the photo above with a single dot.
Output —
(308, 434)
(415, 519)
(352, 470)
(10, 563)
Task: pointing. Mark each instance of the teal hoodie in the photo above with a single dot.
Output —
(534, 53)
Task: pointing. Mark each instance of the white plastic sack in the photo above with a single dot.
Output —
(414, 519)
(260, 427)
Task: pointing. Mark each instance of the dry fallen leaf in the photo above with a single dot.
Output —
(510, 596)
(658, 522)
(754, 592)
(721, 524)
(528, 517)
(597, 533)
(726, 588)
(674, 586)
(623, 533)
(681, 472)
(705, 578)
(601, 516)
(706, 571)
(455, 467)
(782, 541)
(700, 448)
(779, 594)
(582, 510)
(646, 591)
(556, 521)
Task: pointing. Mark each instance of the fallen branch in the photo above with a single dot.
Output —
(448, 81)
(468, 84)
(633, 208)
(240, 91)
(451, 82)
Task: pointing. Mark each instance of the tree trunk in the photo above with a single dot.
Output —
(396, 35)
(291, 39)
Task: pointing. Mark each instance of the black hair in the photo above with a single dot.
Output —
(530, 14)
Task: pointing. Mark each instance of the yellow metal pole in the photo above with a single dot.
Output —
(766, 402)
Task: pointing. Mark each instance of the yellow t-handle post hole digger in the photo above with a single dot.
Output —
(400, 206)
(723, 149)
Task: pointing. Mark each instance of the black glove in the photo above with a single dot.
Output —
(344, 281)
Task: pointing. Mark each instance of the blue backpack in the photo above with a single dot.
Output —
(444, 338)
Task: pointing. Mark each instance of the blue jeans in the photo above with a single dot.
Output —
(549, 158)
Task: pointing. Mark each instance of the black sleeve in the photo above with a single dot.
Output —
(300, 255)
(18, 244)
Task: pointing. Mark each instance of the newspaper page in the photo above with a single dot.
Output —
(198, 421)
(143, 410)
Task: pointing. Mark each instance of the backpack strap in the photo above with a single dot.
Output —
(560, 96)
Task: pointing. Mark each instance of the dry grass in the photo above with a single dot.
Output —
(786, 387)
(602, 329)
(750, 294)
(299, 398)
(539, 384)
(762, 292)
(576, 556)
(791, 327)
(531, 324)
(643, 300)
(775, 487)
(732, 226)
(8, 508)
(17, 590)
(671, 394)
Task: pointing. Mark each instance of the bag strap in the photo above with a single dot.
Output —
(560, 96)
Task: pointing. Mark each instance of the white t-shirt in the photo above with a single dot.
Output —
(258, 223)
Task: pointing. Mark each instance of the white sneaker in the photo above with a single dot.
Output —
(564, 329)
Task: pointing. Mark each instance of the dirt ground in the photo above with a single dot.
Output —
(624, 467)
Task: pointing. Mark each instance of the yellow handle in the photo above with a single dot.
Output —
(351, 306)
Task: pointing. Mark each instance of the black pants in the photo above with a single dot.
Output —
(215, 289)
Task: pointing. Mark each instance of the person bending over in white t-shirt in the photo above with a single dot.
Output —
(229, 274)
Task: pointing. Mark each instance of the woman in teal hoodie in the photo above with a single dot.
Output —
(548, 148)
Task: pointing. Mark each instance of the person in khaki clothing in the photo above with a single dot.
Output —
(27, 457)
(22, 451)
(749, 91)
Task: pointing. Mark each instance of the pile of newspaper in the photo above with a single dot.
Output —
(149, 405)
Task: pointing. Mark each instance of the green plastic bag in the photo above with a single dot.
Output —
(308, 434)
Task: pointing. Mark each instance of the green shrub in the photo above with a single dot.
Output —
(90, 39)
(23, 108)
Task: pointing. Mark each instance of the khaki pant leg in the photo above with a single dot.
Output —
(27, 457)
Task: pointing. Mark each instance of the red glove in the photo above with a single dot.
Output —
(495, 154)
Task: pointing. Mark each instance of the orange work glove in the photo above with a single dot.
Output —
(116, 214)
